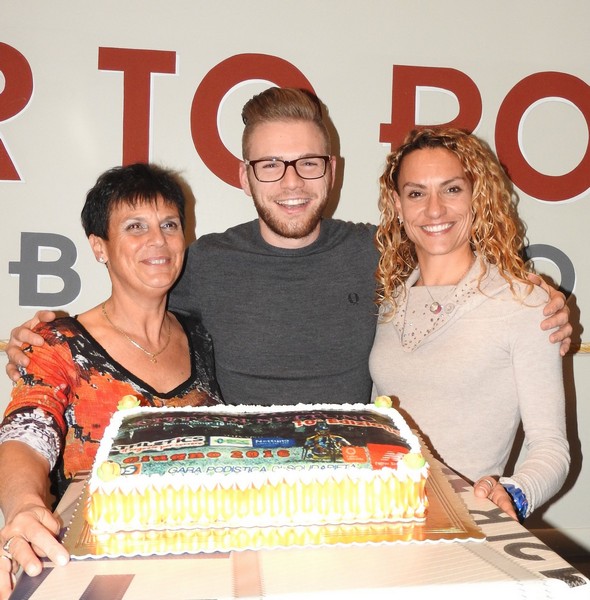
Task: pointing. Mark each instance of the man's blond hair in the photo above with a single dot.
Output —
(282, 104)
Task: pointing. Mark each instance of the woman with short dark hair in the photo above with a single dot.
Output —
(128, 345)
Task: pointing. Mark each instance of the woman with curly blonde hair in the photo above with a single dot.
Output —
(458, 341)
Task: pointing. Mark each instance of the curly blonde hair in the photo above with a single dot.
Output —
(497, 233)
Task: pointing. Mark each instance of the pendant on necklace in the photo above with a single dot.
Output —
(435, 308)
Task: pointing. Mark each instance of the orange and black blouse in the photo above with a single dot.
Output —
(71, 387)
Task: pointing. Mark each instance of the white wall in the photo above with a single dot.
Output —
(71, 128)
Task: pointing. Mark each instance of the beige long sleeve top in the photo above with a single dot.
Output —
(470, 374)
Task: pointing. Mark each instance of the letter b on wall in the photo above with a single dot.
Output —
(30, 268)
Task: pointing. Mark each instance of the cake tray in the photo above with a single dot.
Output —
(447, 520)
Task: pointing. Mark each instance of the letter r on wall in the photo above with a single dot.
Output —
(18, 89)
(408, 79)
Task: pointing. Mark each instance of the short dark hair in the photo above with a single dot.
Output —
(131, 184)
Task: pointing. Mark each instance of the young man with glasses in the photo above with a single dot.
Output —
(289, 298)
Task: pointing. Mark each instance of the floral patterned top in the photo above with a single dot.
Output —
(67, 394)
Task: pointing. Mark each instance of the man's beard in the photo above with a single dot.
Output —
(291, 228)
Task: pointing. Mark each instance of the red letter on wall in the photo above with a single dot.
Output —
(209, 96)
(407, 79)
(18, 89)
(137, 67)
(518, 100)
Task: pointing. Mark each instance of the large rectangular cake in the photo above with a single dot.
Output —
(228, 466)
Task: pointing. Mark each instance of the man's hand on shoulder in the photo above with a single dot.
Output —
(558, 313)
(23, 334)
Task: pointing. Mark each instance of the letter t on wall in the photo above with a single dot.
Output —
(137, 67)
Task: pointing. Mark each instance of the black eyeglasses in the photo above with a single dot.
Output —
(268, 170)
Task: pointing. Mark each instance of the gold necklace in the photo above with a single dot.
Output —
(152, 355)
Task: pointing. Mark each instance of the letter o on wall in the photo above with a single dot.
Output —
(525, 93)
(209, 96)
(560, 260)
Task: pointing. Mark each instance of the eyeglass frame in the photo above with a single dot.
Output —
(288, 163)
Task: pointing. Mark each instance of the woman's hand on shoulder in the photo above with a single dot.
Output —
(488, 487)
(23, 334)
(558, 313)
